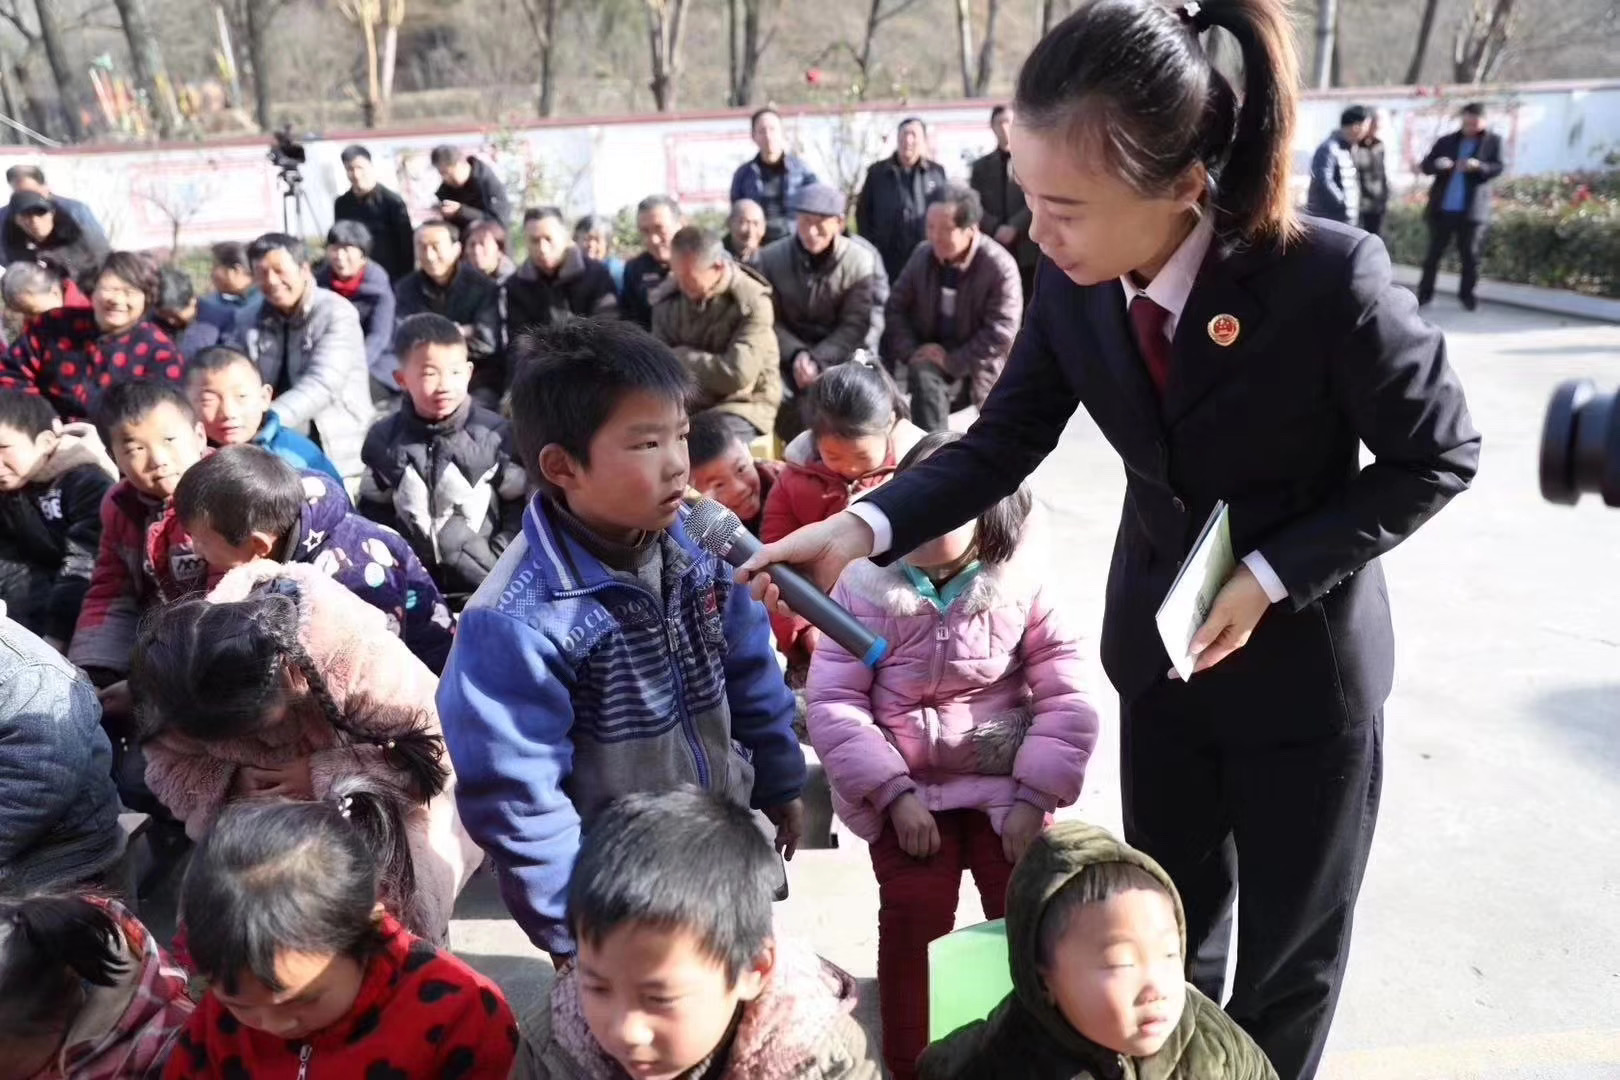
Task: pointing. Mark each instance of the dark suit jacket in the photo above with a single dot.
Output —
(1478, 196)
(1330, 354)
(471, 299)
(1004, 204)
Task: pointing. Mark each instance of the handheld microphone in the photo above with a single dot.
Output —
(720, 532)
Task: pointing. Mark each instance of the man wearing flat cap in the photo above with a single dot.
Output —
(825, 291)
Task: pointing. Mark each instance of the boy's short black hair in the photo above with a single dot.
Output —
(709, 437)
(240, 490)
(424, 328)
(175, 290)
(128, 402)
(1093, 885)
(571, 376)
(677, 860)
(232, 254)
(28, 413)
(218, 358)
(271, 241)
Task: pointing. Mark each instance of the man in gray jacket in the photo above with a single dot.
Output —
(310, 348)
(954, 311)
(58, 806)
(824, 286)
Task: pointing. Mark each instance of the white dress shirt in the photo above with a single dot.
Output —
(1169, 289)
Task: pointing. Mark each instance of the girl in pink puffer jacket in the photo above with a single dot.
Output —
(951, 754)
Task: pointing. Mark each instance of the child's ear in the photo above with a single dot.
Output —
(751, 982)
(202, 434)
(560, 468)
(399, 378)
(263, 544)
(268, 393)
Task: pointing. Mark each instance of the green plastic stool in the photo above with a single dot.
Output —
(968, 976)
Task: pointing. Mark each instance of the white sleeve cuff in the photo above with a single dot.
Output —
(1267, 577)
(877, 521)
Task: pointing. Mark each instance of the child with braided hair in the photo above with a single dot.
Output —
(281, 682)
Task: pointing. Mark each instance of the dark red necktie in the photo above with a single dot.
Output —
(1147, 319)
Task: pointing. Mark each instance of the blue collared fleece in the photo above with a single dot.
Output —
(570, 684)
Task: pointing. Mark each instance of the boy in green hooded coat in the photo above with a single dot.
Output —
(1095, 937)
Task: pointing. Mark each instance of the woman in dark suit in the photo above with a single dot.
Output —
(1227, 351)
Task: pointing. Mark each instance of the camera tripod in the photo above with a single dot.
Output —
(294, 201)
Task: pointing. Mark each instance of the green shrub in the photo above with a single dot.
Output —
(1558, 232)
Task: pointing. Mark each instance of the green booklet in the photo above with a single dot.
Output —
(968, 976)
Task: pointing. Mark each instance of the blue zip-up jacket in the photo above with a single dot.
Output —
(569, 685)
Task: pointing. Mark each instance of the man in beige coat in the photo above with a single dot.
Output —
(718, 317)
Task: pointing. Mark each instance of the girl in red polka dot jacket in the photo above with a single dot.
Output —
(308, 975)
(70, 356)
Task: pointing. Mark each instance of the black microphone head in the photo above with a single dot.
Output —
(712, 527)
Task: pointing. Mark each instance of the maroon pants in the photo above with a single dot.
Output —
(916, 904)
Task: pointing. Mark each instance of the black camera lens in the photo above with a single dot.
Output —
(1580, 445)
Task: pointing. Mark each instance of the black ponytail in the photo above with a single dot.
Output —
(284, 875)
(212, 671)
(1131, 83)
(50, 947)
(854, 400)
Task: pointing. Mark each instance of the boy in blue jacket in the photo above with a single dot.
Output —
(606, 653)
(233, 401)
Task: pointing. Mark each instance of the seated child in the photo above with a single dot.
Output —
(1095, 938)
(234, 304)
(441, 469)
(680, 973)
(85, 991)
(606, 653)
(177, 313)
(947, 758)
(243, 504)
(281, 682)
(234, 402)
(155, 437)
(284, 906)
(52, 479)
(859, 430)
(724, 470)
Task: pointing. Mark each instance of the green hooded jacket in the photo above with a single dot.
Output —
(1028, 1039)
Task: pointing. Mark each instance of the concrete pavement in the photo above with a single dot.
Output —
(1488, 934)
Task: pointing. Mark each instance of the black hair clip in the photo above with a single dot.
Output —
(1192, 13)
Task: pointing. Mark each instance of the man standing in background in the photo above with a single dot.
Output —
(894, 200)
(773, 177)
(1462, 164)
(658, 219)
(1371, 176)
(380, 210)
(1335, 193)
(1006, 214)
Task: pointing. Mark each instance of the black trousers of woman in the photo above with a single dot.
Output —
(1206, 800)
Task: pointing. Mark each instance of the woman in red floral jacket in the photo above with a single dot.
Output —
(69, 356)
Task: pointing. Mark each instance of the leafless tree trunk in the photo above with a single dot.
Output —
(1327, 15)
(748, 46)
(61, 70)
(1414, 70)
(393, 15)
(543, 22)
(1049, 15)
(964, 43)
(227, 49)
(9, 100)
(733, 34)
(1480, 39)
(366, 14)
(987, 49)
(666, 25)
(146, 57)
(258, 19)
(879, 13)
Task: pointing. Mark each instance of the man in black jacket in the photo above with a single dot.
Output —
(380, 210)
(1462, 164)
(1372, 177)
(1007, 215)
(445, 286)
(556, 280)
(658, 219)
(893, 203)
(471, 191)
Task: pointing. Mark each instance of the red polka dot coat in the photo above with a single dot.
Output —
(64, 357)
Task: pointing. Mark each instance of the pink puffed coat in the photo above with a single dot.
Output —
(975, 707)
(379, 685)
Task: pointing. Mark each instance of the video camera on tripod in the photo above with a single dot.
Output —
(288, 155)
(1580, 444)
